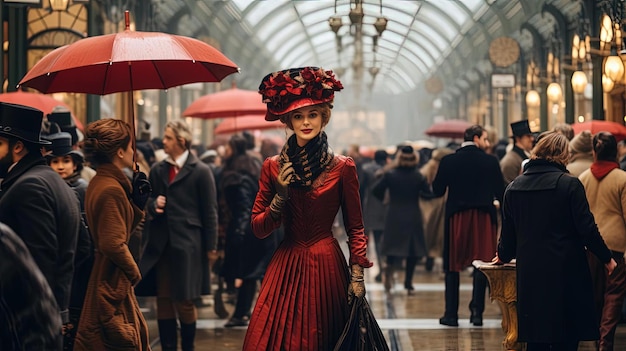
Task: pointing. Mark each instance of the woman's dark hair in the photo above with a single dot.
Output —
(103, 138)
(605, 146)
(473, 131)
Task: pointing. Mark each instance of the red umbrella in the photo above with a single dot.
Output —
(228, 103)
(41, 102)
(247, 122)
(451, 128)
(128, 61)
(594, 126)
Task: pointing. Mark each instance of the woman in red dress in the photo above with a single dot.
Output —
(303, 301)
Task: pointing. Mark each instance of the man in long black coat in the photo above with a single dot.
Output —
(35, 201)
(473, 180)
(182, 233)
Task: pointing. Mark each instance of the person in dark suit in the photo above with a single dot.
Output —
(182, 236)
(26, 297)
(473, 180)
(35, 201)
(548, 227)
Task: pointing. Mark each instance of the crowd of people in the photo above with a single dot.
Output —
(86, 241)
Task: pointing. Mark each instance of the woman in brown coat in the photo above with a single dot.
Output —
(111, 319)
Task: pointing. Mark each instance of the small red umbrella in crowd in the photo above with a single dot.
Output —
(247, 122)
(127, 61)
(227, 103)
(594, 126)
(450, 128)
(41, 102)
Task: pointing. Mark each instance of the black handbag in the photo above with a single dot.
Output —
(361, 332)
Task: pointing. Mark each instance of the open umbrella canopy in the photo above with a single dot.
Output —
(128, 61)
(42, 102)
(450, 128)
(594, 126)
(247, 122)
(227, 103)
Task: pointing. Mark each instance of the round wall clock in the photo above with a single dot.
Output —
(504, 51)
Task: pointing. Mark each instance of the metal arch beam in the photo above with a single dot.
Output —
(502, 18)
(479, 24)
(563, 26)
(537, 40)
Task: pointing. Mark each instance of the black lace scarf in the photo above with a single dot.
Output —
(308, 161)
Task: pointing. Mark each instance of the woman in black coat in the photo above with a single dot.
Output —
(245, 256)
(547, 226)
(404, 233)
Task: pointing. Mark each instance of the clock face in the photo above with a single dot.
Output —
(503, 51)
(434, 85)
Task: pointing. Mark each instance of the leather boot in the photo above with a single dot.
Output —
(411, 262)
(187, 335)
(167, 334)
(451, 317)
(477, 305)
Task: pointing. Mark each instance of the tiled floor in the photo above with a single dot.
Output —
(409, 322)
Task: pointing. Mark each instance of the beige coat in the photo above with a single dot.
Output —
(607, 201)
(111, 319)
(511, 166)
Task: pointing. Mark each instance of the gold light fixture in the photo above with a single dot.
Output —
(579, 82)
(607, 84)
(554, 92)
(614, 67)
(532, 98)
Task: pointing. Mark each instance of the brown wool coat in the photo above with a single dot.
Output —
(111, 319)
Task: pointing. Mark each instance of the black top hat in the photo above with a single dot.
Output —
(520, 128)
(61, 144)
(21, 122)
(65, 122)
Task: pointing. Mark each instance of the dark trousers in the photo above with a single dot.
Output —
(245, 297)
(479, 287)
(409, 268)
(609, 292)
(477, 304)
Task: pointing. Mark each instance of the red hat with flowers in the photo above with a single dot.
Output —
(290, 89)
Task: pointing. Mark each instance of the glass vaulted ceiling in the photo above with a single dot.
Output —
(419, 36)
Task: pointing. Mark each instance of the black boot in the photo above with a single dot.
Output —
(167, 334)
(187, 335)
(451, 317)
(411, 262)
(477, 305)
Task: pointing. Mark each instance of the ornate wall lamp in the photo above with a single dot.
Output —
(553, 69)
(581, 52)
(611, 42)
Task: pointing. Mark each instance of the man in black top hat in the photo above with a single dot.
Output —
(511, 163)
(35, 201)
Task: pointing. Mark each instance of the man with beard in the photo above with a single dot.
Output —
(35, 201)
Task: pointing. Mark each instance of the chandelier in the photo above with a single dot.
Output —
(358, 29)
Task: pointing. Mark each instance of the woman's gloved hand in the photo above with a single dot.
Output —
(357, 283)
(283, 179)
(282, 189)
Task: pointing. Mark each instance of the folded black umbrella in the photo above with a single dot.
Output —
(361, 332)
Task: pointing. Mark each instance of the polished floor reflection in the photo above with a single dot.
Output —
(410, 322)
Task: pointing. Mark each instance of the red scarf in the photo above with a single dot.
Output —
(600, 169)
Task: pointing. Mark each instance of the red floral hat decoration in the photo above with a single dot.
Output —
(290, 89)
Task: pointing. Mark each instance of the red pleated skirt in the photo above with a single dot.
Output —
(302, 303)
(473, 236)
